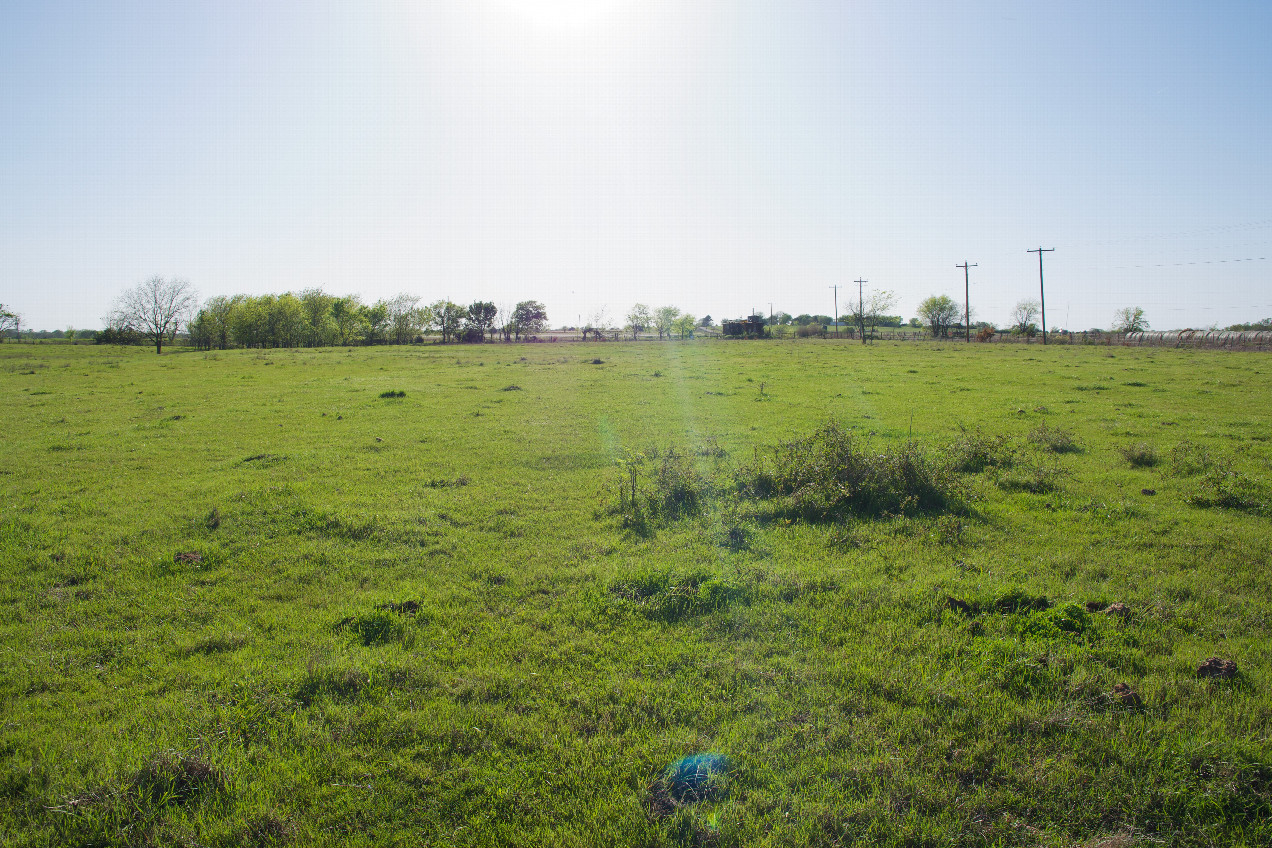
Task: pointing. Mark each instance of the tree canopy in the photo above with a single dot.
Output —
(938, 313)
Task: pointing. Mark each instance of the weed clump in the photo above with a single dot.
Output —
(1188, 459)
(393, 394)
(174, 777)
(832, 475)
(669, 596)
(974, 452)
(1225, 487)
(1054, 439)
(1140, 454)
(372, 628)
(663, 486)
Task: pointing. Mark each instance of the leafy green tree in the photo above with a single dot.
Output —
(481, 316)
(529, 318)
(664, 319)
(706, 321)
(938, 313)
(345, 314)
(1264, 324)
(639, 319)
(448, 318)
(286, 322)
(406, 319)
(250, 321)
(320, 328)
(684, 325)
(375, 322)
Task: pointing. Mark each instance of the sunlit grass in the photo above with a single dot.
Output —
(359, 597)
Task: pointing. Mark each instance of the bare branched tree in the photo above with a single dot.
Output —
(10, 321)
(865, 314)
(1024, 315)
(155, 309)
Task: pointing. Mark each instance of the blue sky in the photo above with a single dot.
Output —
(716, 156)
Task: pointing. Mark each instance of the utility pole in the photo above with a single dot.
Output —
(1042, 292)
(967, 299)
(861, 305)
(835, 317)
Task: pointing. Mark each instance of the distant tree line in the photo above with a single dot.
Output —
(156, 310)
(314, 318)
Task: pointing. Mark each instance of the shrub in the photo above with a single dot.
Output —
(1139, 454)
(662, 486)
(832, 474)
(973, 452)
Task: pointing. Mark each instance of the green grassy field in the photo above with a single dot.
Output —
(248, 600)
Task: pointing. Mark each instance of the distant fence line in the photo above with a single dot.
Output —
(1222, 339)
(1237, 339)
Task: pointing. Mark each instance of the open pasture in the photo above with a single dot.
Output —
(485, 595)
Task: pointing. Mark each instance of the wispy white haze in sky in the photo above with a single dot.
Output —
(715, 156)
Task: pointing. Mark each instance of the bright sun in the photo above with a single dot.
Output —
(563, 14)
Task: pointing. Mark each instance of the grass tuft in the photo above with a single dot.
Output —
(1140, 454)
(1054, 439)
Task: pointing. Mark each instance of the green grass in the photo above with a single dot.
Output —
(402, 596)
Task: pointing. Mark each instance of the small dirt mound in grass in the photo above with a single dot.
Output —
(1126, 696)
(1217, 669)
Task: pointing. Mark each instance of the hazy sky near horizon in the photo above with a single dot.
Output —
(716, 156)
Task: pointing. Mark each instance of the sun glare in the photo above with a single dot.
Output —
(563, 14)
